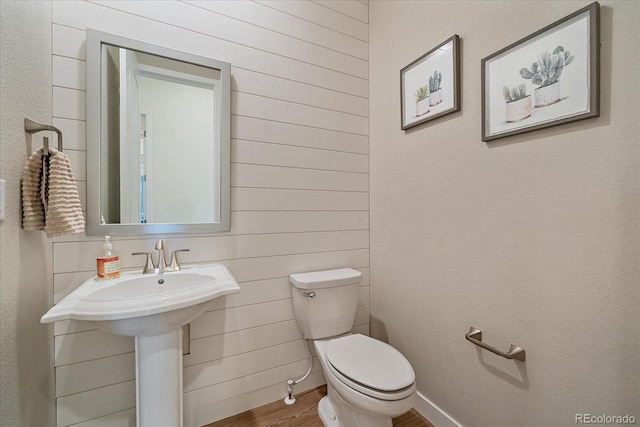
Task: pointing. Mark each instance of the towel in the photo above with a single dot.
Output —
(50, 200)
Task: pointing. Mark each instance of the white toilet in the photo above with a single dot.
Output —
(368, 382)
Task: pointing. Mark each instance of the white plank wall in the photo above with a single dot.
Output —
(300, 195)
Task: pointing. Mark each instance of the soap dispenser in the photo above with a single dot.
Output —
(108, 262)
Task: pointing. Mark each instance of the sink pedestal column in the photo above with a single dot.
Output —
(159, 379)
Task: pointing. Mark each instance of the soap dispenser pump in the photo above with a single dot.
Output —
(108, 262)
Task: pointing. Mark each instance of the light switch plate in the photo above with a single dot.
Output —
(2, 193)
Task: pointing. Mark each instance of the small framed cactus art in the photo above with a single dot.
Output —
(430, 85)
(546, 79)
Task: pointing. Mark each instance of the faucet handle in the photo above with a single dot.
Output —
(174, 259)
(149, 266)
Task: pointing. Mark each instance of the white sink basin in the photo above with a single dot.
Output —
(137, 304)
(151, 307)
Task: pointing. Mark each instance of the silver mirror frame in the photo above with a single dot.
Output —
(95, 39)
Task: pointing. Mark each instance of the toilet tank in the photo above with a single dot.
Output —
(325, 302)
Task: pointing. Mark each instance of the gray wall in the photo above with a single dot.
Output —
(533, 239)
(26, 372)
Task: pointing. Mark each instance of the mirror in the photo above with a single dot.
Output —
(158, 139)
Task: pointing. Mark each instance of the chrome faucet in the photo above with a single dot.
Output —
(160, 266)
(162, 261)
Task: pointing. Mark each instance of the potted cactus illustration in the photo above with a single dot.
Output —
(518, 103)
(435, 89)
(545, 73)
(422, 101)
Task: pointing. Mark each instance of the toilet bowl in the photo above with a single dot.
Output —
(368, 382)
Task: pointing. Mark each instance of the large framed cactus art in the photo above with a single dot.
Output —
(430, 85)
(546, 79)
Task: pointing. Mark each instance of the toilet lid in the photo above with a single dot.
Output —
(370, 362)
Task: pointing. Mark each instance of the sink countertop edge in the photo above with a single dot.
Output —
(67, 308)
(60, 313)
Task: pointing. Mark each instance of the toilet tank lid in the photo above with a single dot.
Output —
(325, 279)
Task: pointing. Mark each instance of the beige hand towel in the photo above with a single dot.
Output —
(50, 196)
(32, 205)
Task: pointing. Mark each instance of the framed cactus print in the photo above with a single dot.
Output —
(549, 78)
(430, 85)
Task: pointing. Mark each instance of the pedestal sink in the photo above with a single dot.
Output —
(152, 308)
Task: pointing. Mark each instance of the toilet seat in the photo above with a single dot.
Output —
(371, 367)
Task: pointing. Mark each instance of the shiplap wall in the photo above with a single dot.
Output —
(300, 195)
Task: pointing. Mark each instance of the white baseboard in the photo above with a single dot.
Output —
(433, 413)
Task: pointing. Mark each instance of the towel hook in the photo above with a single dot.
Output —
(32, 127)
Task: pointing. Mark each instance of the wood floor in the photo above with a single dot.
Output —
(302, 414)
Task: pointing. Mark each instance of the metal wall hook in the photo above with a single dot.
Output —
(32, 127)
(515, 351)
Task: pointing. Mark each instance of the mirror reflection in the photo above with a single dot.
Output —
(158, 149)
(163, 135)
